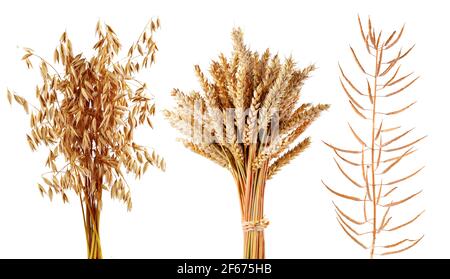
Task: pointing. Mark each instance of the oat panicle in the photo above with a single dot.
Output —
(86, 115)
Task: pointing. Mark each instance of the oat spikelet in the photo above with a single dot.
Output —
(251, 119)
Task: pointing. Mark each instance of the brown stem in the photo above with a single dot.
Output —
(92, 222)
(374, 194)
(91, 216)
(254, 244)
(92, 200)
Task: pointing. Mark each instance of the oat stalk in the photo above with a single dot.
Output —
(87, 112)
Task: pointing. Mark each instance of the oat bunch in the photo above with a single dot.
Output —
(381, 147)
(87, 114)
(247, 120)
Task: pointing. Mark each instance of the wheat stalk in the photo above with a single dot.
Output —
(87, 114)
(246, 121)
(377, 156)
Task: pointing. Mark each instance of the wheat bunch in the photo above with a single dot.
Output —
(247, 120)
(87, 113)
(379, 154)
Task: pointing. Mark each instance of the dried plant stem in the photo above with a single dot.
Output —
(91, 224)
(254, 245)
(366, 230)
(254, 214)
(373, 160)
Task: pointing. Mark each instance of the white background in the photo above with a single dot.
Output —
(191, 210)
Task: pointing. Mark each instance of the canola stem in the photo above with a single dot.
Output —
(374, 196)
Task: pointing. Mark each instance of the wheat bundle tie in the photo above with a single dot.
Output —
(258, 226)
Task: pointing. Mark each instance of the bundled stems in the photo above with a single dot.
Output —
(91, 220)
(91, 208)
(253, 215)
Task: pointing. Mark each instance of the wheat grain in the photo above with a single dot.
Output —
(249, 98)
